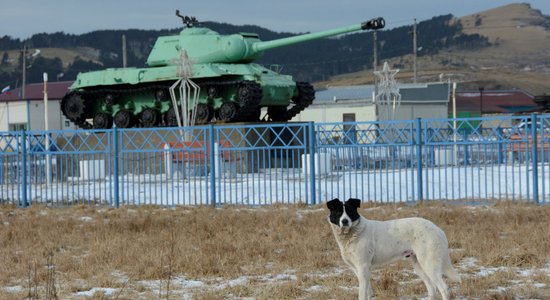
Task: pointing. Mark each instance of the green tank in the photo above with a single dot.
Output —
(231, 87)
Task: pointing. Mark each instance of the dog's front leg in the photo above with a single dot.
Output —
(365, 289)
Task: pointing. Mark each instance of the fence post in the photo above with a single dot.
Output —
(311, 139)
(115, 171)
(419, 182)
(466, 145)
(534, 156)
(24, 167)
(212, 165)
(168, 163)
(500, 148)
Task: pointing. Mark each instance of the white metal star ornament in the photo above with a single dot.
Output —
(388, 97)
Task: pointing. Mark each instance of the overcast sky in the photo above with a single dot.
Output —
(23, 18)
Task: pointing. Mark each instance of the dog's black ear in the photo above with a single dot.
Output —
(334, 204)
(354, 202)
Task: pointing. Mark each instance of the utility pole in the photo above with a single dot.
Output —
(481, 89)
(375, 58)
(415, 47)
(375, 50)
(24, 86)
(24, 53)
(46, 128)
(24, 83)
(124, 57)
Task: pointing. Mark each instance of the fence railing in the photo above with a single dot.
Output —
(475, 160)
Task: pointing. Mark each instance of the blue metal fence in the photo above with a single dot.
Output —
(474, 160)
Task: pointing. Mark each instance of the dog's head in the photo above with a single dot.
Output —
(342, 214)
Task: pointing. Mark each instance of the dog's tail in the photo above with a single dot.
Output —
(451, 273)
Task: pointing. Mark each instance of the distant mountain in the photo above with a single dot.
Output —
(64, 55)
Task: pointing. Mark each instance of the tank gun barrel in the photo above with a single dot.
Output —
(377, 23)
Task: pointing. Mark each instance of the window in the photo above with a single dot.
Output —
(17, 126)
(350, 134)
(348, 117)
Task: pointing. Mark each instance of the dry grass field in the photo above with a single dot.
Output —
(280, 252)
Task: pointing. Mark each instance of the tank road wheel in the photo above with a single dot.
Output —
(204, 113)
(73, 107)
(212, 91)
(162, 95)
(110, 99)
(228, 111)
(244, 94)
(103, 121)
(124, 119)
(277, 113)
(169, 118)
(150, 117)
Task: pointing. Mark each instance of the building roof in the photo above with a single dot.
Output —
(333, 94)
(410, 93)
(429, 93)
(494, 101)
(511, 101)
(35, 91)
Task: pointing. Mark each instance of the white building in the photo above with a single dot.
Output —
(29, 113)
(355, 103)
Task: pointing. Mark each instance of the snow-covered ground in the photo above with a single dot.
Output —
(465, 183)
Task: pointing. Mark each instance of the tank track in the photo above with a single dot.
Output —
(306, 95)
(76, 101)
(249, 94)
(77, 106)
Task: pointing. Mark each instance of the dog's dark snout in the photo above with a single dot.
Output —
(345, 222)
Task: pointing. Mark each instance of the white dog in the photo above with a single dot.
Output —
(365, 244)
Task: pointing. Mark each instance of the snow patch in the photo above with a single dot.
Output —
(92, 291)
(316, 288)
(86, 219)
(14, 289)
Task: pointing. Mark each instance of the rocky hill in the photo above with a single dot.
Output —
(518, 55)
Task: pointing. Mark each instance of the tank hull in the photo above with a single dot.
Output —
(99, 96)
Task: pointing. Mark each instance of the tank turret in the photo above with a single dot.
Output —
(206, 46)
(232, 87)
